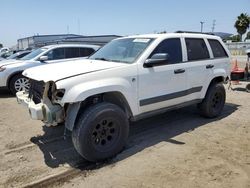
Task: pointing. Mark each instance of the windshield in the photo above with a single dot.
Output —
(125, 50)
(33, 54)
(13, 56)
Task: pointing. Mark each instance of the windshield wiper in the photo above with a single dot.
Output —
(102, 58)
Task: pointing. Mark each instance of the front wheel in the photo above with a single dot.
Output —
(214, 101)
(19, 83)
(101, 132)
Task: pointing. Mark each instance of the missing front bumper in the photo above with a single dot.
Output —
(49, 113)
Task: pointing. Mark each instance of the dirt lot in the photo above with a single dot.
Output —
(176, 149)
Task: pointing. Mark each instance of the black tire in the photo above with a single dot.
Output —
(15, 81)
(101, 132)
(214, 101)
(248, 88)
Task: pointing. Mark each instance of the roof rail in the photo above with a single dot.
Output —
(194, 32)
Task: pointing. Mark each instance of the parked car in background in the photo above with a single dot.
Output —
(4, 50)
(18, 55)
(11, 70)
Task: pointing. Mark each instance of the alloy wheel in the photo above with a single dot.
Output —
(22, 84)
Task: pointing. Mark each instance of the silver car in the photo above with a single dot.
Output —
(11, 70)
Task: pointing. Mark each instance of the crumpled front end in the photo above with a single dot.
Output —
(42, 101)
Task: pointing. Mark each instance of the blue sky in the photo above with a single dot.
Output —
(22, 18)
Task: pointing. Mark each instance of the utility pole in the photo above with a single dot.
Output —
(213, 26)
(202, 26)
(67, 29)
(78, 26)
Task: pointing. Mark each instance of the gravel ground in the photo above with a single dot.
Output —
(182, 149)
(175, 149)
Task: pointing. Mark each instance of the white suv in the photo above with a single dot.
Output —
(128, 79)
(11, 70)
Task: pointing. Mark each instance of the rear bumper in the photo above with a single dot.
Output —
(48, 113)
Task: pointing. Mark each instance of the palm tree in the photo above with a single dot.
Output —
(242, 24)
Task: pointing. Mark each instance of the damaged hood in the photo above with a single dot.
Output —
(62, 70)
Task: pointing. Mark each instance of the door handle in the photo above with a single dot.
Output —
(179, 71)
(209, 66)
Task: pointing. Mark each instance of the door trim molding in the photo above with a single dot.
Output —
(169, 96)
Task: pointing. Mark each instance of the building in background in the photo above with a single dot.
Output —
(38, 41)
(96, 40)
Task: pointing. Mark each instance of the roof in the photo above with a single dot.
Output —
(94, 36)
(223, 35)
(164, 35)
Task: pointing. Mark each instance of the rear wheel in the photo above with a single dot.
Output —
(101, 132)
(19, 83)
(214, 101)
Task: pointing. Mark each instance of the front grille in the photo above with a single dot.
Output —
(36, 90)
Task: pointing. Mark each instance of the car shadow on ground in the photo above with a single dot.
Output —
(59, 150)
(5, 93)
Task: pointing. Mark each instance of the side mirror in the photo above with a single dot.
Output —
(43, 58)
(157, 60)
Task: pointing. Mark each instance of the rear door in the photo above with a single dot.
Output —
(199, 65)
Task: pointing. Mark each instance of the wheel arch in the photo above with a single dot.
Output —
(11, 76)
(218, 79)
(74, 109)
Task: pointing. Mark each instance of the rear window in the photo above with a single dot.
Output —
(217, 48)
(196, 49)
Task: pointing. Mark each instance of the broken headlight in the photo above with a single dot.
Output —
(58, 94)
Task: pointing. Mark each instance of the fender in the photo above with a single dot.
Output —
(11, 75)
(72, 112)
(81, 91)
(218, 72)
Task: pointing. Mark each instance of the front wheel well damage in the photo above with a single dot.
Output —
(73, 110)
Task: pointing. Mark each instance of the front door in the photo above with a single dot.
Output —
(164, 85)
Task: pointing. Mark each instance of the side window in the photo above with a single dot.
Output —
(56, 54)
(172, 47)
(71, 52)
(86, 52)
(196, 49)
(217, 48)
